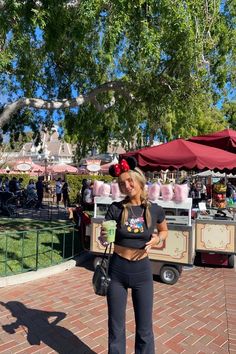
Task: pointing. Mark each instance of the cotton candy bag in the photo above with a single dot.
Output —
(167, 192)
(181, 192)
(96, 187)
(154, 191)
(115, 190)
(105, 190)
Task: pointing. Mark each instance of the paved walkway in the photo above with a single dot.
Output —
(60, 314)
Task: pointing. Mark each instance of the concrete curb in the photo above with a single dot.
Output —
(45, 272)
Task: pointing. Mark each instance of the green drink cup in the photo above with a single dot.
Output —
(110, 228)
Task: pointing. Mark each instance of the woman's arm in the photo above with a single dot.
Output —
(162, 232)
(59, 317)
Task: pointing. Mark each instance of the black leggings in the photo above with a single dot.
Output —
(136, 275)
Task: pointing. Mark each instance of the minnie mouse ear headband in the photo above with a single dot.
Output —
(125, 165)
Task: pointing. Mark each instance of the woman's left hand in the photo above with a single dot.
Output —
(153, 242)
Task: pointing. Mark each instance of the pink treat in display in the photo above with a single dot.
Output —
(96, 187)
(154, 191)
(167, 192)
(180, 192)
(105, 190)
(115, 190)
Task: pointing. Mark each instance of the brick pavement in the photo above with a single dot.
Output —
(60, 314)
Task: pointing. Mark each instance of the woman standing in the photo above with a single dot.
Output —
(137, 220)
(58, 191)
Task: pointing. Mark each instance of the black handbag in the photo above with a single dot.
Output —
(101, 280)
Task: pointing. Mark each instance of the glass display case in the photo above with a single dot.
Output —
(176, 213)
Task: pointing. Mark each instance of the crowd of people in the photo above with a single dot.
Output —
(207, 193)
(34, 193)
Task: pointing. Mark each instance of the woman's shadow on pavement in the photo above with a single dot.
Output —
(39, 329)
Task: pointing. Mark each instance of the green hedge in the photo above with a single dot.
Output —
(75, 183)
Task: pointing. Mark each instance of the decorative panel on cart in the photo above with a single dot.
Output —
(216, 236)
(178, 247)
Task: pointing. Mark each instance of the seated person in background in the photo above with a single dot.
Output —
(77, 215)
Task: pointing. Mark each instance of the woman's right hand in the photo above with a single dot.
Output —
(103, 237)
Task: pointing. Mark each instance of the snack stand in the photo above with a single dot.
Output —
(216, 238)
(186, 155)
(215, 229)
(167, 258)
(186, 237)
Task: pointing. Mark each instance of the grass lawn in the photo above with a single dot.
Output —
(57, 240)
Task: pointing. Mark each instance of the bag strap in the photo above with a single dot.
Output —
(109, 256)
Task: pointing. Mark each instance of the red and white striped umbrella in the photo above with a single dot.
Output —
(62, 168)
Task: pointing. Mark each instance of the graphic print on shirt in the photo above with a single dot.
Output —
(135, 225)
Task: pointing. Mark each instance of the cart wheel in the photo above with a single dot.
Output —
(231, 261)
(169, 275)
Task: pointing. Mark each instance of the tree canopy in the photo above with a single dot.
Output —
(121, 70)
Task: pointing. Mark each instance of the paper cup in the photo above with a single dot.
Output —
(110, 228)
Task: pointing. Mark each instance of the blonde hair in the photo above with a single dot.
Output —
(138, 176)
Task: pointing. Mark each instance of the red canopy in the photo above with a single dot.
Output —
(182, 154)
(224, 139)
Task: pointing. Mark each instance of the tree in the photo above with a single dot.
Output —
(108, 66)
(229, 110)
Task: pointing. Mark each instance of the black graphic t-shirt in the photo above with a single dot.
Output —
(134, 233)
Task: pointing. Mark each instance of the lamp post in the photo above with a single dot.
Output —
(46, 159)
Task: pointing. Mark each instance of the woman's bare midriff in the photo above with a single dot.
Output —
(132, 254)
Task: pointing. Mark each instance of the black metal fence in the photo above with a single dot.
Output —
(23, 251)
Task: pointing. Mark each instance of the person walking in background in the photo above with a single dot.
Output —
(81, 192)
(13, 185)
(65, 193)
(31, 194)
(58, 190)
(30, 186)
(39, 189)
(88, 197)
(136, 218)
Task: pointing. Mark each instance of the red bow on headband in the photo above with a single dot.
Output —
(118, 168)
